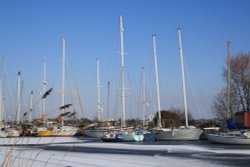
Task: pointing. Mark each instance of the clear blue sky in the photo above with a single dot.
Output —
(31, 31)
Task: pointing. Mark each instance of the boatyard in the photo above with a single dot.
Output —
(123, 83)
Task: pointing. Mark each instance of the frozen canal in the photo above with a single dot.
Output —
(78, 151)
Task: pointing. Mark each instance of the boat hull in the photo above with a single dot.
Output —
(96, 133)
(150, 136)
(179, 134)
(132, 138)
(3, 134)
(129, 136)
(111, 138)
(46, 133)
(64, 131)
(12, 132)
(215, 138)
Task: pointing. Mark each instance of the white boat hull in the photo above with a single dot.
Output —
(179, 134)
(13, 133)
(3, 134)
(216, 138)
(64, 131)
(96, 133)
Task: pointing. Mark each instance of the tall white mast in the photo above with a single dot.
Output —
(108, 100)
(3, 97)
(63, 76)
(44, 89)
(18, 97)
(31, 107)
(21, 101)
(99, 107)
(143, 96)
(123, 123)
(183, 77)
(157, 84)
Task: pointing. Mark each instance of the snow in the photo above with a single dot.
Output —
(78, 151)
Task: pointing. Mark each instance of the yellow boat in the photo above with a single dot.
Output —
(45, 133)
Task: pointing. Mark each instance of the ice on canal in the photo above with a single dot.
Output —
(78, 151)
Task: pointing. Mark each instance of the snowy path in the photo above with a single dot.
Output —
(67, 151)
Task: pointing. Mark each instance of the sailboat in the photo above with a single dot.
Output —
(97, 130)
(148, 135)
(184, 132)
(41, 130)
(11, 130)
(2, 132)
(125, 134)
(61, 130)
(230, 137)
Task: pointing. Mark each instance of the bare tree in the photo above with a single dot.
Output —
(172, 118)
(220, 105)
(240, 87)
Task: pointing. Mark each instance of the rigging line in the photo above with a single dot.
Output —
(77, 90)
(22, 99)
(112, 75)
(69, 87)
(113, 64)
(3, 95)
(131, 64)
(113, 56)
(68, 78)
(167, 35)
(56, 70)
(193, 93)
(75, 84)
(131, 78)
(117, 104)
(40, 89)
(11, 92)
(110, 36)
(150, 93)
(188, 61)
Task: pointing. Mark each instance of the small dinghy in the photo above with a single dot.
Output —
(111, 137)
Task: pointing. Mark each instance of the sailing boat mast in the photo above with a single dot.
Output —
(44, 89)
(108, 100)
(228, 81)
(157, 84)
(99, 107)
(183, 77)
(143, 96)
(18, 97)
(63, 77)
(123, 74)
(3, 97)
(31, 106)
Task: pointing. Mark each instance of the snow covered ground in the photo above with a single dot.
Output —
(78, 151)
